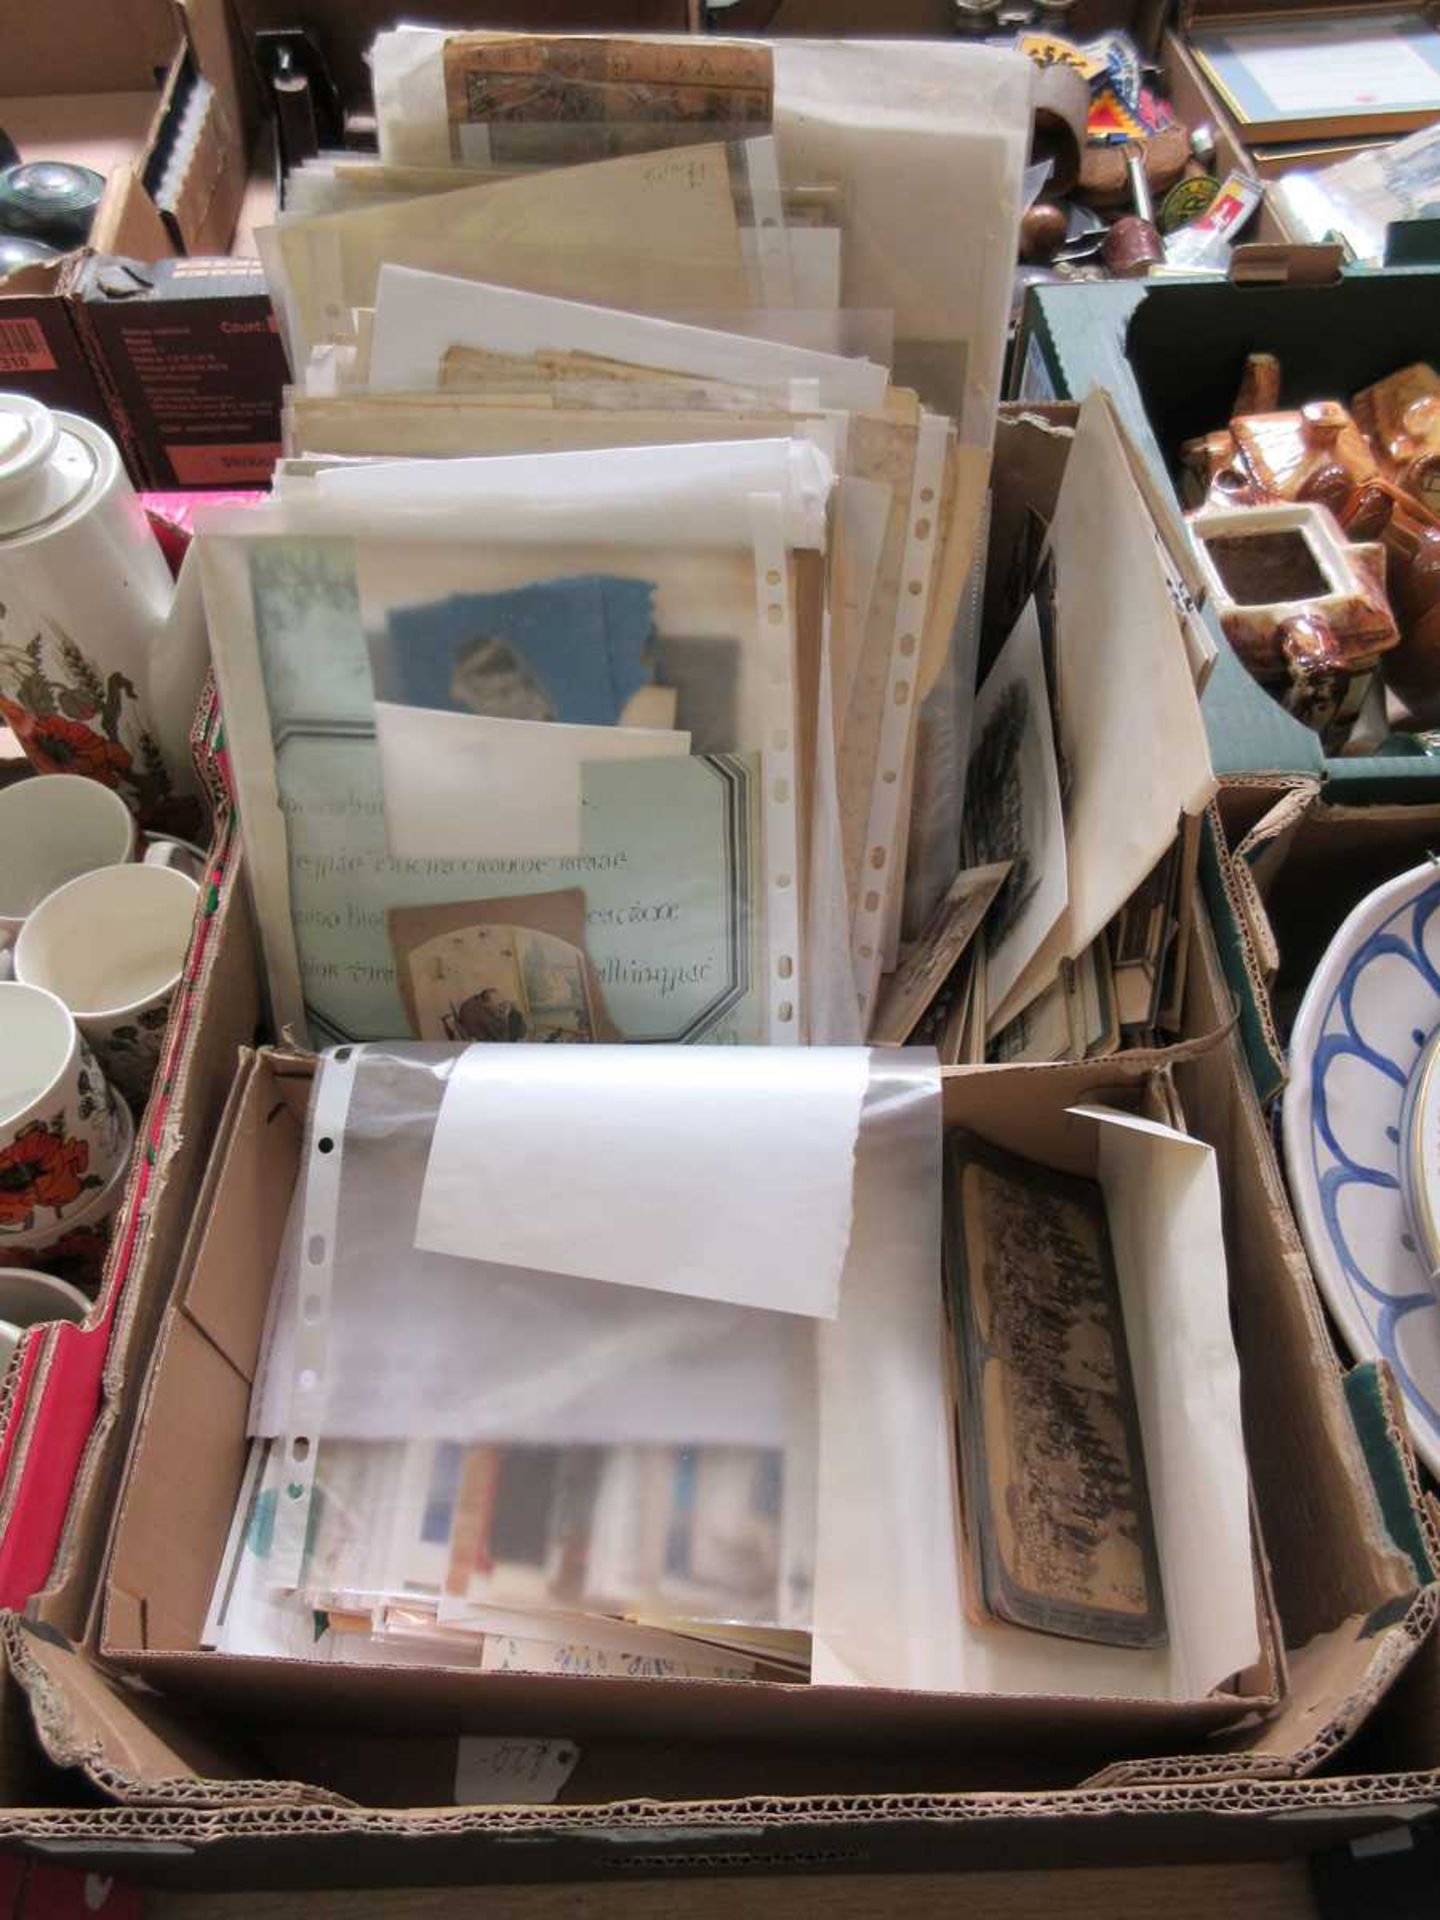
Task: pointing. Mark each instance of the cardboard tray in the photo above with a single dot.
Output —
(1283, 861)
(1171, 354)
(190, 1451)
(68, 1400)
(211, 1798)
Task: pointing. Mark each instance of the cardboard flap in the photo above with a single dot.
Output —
(82, 1719)
(1256, 859)
(1228, 934)
(1378, 1411)
(1261, 934)
(1337, 1680)
(1264, 847)
(1315, 1470)
(71, 46)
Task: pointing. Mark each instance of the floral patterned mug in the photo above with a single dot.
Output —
(63, 1133)
(111, 944)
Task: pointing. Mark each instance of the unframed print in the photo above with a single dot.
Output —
(1012, 806)
(670, 860)
(493, 970)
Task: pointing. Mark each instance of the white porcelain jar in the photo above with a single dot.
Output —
(84, 595)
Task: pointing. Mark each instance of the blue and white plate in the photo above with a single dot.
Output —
(1365, 1022)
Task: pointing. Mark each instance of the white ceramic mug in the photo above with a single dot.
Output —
(62, 1134)
(111, 945)
(28, 1298)
(77, 1247)
(164, 850)
(53, 827)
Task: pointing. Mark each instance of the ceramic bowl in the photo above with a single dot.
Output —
(1360, 1125)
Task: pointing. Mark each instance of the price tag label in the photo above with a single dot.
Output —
(496, 1772)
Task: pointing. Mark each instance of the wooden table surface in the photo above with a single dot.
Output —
(1259, 1890)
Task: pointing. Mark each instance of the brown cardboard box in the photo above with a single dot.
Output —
(171, 1526)
(63, 1440)
(1285, 865)
(108, 88)
(218, 1798)
(40, 351)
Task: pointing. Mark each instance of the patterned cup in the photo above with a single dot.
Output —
(111, 945)
(76, 1249)
(63, 1133)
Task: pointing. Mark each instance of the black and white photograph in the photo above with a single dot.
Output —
(1012, 805)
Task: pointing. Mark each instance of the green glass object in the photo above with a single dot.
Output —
(50, 200)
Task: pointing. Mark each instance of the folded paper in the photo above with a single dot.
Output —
(682, 1179)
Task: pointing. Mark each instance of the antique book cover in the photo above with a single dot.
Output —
(1059, 1531)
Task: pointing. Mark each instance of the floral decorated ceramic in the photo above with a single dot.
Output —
(76, 1247)
(1361, 1040)
(43, 1172)
(55, 1164)
(69, 719)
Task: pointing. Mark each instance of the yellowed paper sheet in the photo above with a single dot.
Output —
(645, 232)
(928, 965)
(437, 425)
(481, 370)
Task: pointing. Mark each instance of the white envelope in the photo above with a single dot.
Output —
(466, 786)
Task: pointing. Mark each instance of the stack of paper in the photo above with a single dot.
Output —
(610, 557)
(596, 1437)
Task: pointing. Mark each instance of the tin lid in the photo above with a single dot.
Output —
(43, 468)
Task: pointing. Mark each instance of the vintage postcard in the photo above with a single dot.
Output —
(1012, 805)
(911, 989)
(560, 101)
(499, 970)
(572, 649)
(1140, 936)
(945, 1021)
(1060, 1534)
(693, 1532)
